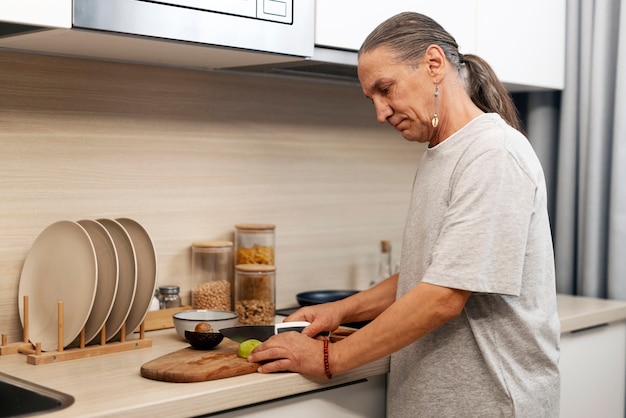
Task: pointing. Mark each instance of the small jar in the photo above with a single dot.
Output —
(255, 294)
(211, 275)
(169, 297)
(254, 244)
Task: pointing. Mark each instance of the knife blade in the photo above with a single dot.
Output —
(242, 333)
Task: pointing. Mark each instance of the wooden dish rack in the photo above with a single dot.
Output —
(35, 356)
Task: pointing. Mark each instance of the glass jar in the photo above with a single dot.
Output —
(155, 304)
(169, 297)
(211, 275)
(255, 294)
(384, 263)
(254, 244)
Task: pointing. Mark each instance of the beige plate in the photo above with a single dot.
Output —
(106, 257)
(146, 273)
(60, 266)
(127, 283)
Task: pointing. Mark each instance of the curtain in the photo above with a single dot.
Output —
(586, 167)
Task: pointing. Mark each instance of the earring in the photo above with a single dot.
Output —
(435, 120)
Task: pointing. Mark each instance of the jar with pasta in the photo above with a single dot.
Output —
(255, 294)
(211, 275)
(254, 244)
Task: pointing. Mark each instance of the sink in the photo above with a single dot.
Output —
(23, 398)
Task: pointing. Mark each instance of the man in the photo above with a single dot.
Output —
(470, 321)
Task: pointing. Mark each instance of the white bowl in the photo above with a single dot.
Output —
(187, 320)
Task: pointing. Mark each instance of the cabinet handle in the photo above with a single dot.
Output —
(576, 331)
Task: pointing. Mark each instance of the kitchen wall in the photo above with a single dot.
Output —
(188, 154)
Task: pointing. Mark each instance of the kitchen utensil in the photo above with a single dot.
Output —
(261, 332)
(106, 257)
(127, 283)
(316, 297)
(188, 319)
(191, 365)
(203, 340)
(146, 273)
(60, 266)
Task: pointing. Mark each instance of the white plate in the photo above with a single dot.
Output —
(106, 257)
(60, 266)
(127, 282)
(146, 273)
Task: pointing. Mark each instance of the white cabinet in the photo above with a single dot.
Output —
(360, 399)
(51, 13)
(592, 365)
(345, 24)
(523, 40)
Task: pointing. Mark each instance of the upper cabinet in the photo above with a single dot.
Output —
(523, 40)
(345, 24)
(49, 13)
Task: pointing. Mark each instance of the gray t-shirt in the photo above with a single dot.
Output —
(478, 221)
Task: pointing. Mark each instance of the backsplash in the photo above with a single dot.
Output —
(188, 154)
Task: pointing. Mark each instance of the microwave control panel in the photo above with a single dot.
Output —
(272, 10)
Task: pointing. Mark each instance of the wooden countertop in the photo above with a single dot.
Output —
(111, 385)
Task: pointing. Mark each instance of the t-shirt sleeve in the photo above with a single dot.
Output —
(482, 243)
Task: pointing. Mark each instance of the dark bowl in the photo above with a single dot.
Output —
(316, 297)
(203, 340)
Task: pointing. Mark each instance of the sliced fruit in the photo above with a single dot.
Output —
(246, 347)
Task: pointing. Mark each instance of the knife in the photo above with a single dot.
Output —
(242, 333)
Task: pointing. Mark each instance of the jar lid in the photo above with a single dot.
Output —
(169, 290)
(212, 244)
(255, 268)
(255, 227)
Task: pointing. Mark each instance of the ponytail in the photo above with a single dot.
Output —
(486, 90)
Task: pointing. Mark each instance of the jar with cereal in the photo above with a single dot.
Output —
(254, 244)
(255, 294)
(211, 275)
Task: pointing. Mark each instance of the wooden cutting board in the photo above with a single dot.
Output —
(191, 365)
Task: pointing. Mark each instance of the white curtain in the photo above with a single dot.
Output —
(587, 165)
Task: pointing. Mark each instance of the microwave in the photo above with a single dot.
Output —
(276, 26)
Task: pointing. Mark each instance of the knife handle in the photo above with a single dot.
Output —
(297, 326)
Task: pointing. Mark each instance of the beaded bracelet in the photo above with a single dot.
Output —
(326, 365)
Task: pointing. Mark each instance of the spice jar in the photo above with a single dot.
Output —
(254, 244)
(211, 275)
(255, 294)
(169, 297)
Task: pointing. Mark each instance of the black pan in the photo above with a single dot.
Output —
(316, 297)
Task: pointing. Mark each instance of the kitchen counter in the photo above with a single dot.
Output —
(111, 385)
(579, 312)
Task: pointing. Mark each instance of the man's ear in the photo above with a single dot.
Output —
(435, 59)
